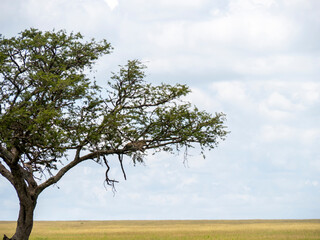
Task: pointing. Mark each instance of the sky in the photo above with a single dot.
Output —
(258, 61)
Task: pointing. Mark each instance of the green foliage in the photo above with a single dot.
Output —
(42, 82)
(49, 106)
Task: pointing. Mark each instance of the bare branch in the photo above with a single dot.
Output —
(109, 181)
(14, 61)
(120, 157)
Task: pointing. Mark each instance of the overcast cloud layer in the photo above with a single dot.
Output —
(258, 61)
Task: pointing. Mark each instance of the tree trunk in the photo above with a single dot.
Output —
(25, 221)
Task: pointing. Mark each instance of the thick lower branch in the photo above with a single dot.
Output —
(72, 164)
(6, 155)
(6, 173)
(96, 154)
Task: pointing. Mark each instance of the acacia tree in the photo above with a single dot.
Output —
(53, 117)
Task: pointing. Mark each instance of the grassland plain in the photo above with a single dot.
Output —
(172, 230)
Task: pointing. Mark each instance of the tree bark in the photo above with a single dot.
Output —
(25, 221)
(23, 183)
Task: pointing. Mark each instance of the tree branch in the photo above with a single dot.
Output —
(14, 61)
(77, 159)
(109, 181)
(6, 155)
(6, 173)
(162, 144)
(120, 157)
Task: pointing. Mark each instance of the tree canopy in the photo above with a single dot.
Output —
(52, 113)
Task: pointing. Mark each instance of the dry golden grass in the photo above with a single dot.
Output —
(172, 230)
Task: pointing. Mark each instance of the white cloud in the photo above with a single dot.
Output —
(181, 3)
(294, 67)
(85, 16)
(164, 199)
(315, 163)
(203, 99)
(310, 135)
(288, 100)
(187, 183)
(274, 100)
(240, 29)
(250, 5)
(308, 93)
(239, 198)
(112, 3)
(278, 106)
(313, 183)
(267, 97)
(232, 92)
(304, 136)
(298, 3)
(248, 44)
(274, 133)
(238, 32)
(280, 111)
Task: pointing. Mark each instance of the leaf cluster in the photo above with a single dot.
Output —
(42, 81)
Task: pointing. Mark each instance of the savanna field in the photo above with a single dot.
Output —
(172, 230)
